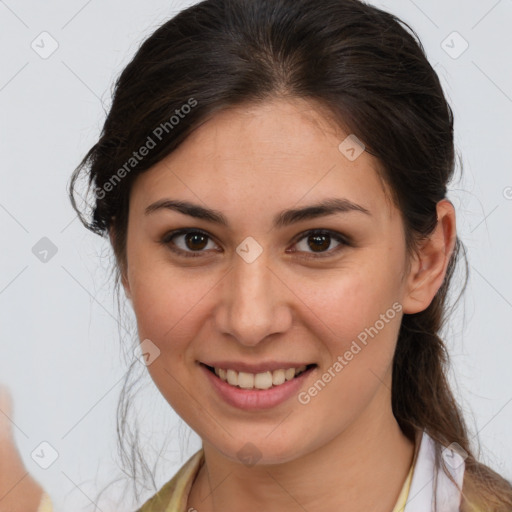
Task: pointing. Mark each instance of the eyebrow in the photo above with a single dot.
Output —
(284, 218)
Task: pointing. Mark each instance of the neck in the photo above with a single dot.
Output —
(361, 469)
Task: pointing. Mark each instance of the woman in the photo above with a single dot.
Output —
(272, 175)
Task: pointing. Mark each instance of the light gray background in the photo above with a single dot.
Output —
(58, 327)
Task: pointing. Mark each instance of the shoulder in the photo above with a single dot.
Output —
(172, 497)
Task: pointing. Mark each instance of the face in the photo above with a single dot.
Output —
(245, 287)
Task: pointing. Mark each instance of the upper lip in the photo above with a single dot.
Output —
(240, 366)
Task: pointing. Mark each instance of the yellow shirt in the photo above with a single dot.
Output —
(173, 496)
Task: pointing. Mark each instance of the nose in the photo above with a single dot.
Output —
(254, 303)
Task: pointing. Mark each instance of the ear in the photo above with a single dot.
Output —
(429, 265)
(124, 279)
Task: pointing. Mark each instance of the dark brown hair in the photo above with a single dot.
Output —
(367, 68)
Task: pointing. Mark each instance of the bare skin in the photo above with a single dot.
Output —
(19, 492)
(343, 450)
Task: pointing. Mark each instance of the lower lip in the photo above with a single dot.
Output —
(256, 399)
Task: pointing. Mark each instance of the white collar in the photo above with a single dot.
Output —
(421, 493)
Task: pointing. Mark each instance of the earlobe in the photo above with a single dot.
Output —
(429, 266)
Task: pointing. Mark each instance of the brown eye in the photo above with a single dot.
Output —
(186, 242)
(314, 243)
(319, 242)
(195, 241)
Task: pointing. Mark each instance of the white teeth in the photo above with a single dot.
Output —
(263, 380)
(278, 377)
(289, 374)
(232, 377)
(246, 380)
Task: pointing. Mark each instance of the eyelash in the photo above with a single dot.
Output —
(338, 237)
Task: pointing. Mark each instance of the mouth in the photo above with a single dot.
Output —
(266, 380)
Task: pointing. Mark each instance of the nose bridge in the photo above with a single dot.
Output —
(253, 302)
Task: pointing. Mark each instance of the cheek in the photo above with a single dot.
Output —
(348, 305)
(357, 318)
(169, 304)
(169, 310)
(158, 312)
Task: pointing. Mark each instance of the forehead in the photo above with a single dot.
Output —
(262, 157)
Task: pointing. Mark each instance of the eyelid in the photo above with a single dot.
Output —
(166, 240)
(342, 239)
